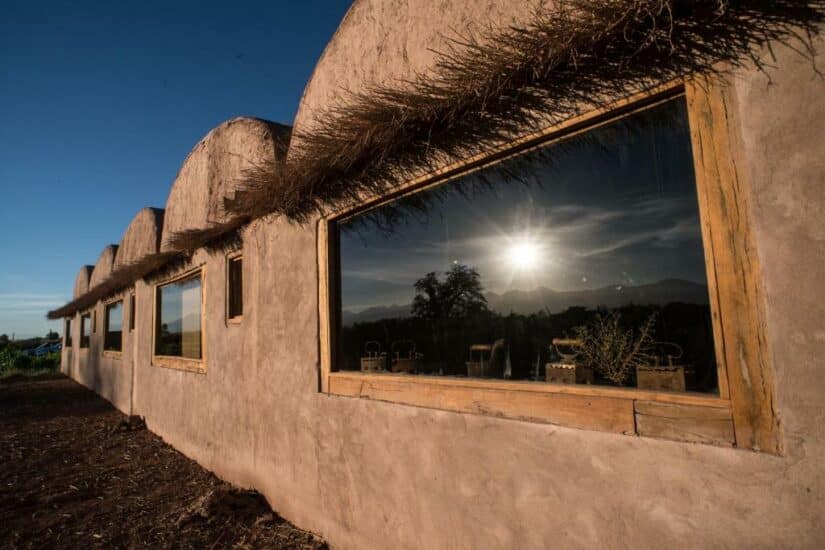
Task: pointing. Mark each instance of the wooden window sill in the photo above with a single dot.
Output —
(680, 416)
(179, 363)
(113, 354)
(235, 320)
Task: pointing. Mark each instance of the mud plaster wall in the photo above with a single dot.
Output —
(142, 237)
(390, 41)
(368, 474)
(108, 374)
(211, 171)
(81, 282)
(371, 475)
(104, 265)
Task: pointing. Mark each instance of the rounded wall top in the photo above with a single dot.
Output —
(104, 266)
(213, 169)
(387, 42)
(141, 239)
(81, 282)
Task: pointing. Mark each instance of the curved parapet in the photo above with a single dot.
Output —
(81, 282)
(141, 239)
(389, 43)
(212, 171)
(104, 266)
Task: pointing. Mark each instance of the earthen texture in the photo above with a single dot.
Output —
(103, 267)
(212, 171)
(81, 282)
(141, 239)
(369, 474)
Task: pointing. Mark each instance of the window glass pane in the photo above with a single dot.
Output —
(67, 333)
(113, 339)
(580, 262)
(179, 319)
(85, 326)
(235, 288)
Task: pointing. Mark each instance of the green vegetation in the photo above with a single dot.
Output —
(13, 361)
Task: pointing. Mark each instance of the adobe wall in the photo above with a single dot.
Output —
(212, 170)
(367, 474)
(107, 374)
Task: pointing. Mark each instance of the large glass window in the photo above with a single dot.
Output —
(580, 262)
(85, 326)
(113, 337)
(178, 317)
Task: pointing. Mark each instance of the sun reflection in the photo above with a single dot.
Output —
(524, 255)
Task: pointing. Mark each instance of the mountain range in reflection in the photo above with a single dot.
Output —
(525, 302)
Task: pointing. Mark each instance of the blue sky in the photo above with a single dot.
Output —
(100, 102)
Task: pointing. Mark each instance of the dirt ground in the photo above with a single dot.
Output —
(75, 473)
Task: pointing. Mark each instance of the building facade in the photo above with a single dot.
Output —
(236, 353)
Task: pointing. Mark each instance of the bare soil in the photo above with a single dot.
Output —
(75, 472)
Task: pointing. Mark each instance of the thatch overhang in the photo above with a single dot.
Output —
(487, 87)
(194, 217)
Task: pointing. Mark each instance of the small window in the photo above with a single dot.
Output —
(85, 321)
(113, 339)
(178, 312)
(234, 290)
(94, 322)
(67, 333)
(131, 312)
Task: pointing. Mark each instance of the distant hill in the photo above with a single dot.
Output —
(525, 302)
(661, 292)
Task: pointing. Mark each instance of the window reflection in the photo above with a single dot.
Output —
(581, 262)
(85, 325)
(113, 339)
(178, 314)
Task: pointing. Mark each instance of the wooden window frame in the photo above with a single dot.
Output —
(188, 364)
(83, 318)
(113, 353)
(231, 257)
(741, 415)
(67, 332)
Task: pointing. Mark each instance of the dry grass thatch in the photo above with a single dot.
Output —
(120, 279)
(218, 237)
(571, 57)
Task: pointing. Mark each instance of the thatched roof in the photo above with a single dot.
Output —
(481, 91)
